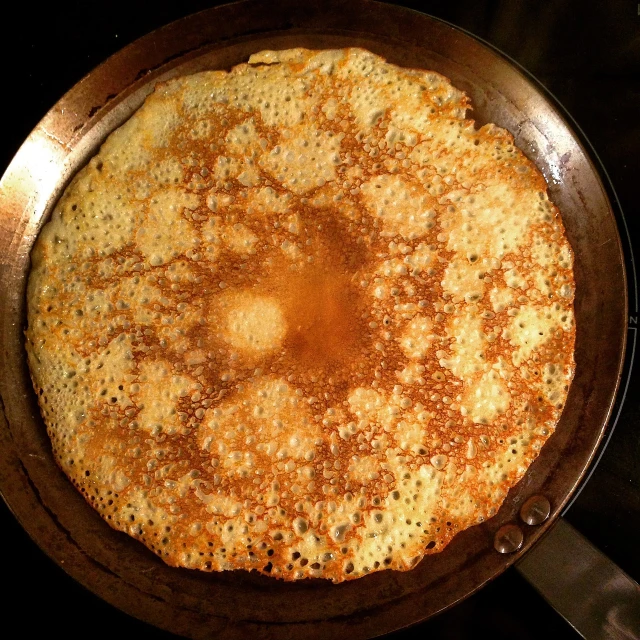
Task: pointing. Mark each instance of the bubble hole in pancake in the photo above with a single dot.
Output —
(301, 317)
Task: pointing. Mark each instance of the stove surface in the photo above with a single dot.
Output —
(587, 55)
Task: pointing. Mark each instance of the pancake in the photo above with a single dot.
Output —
(302, 317)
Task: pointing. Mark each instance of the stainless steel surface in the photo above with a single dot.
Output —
(591, 592)
(535, 510)
(508, 539)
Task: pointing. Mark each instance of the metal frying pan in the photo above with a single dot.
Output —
(237, 604)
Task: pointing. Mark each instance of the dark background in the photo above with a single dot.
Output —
(586, 54)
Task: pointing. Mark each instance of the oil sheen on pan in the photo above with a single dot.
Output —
(301, 317)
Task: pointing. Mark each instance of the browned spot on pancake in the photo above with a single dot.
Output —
(324, 319)
(324, 307)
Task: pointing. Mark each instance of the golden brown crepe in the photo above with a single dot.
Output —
(301, 317)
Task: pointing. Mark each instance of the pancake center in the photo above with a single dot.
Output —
(322, 318)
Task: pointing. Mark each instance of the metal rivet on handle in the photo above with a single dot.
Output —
(535, 510)
(508, 538)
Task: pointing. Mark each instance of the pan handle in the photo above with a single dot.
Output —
(597, 598)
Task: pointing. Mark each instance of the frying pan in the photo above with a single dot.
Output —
(238, 604)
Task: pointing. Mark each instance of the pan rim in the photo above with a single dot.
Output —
(624, 334)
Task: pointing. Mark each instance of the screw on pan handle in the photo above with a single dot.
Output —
(535, 510)
(508, 538)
